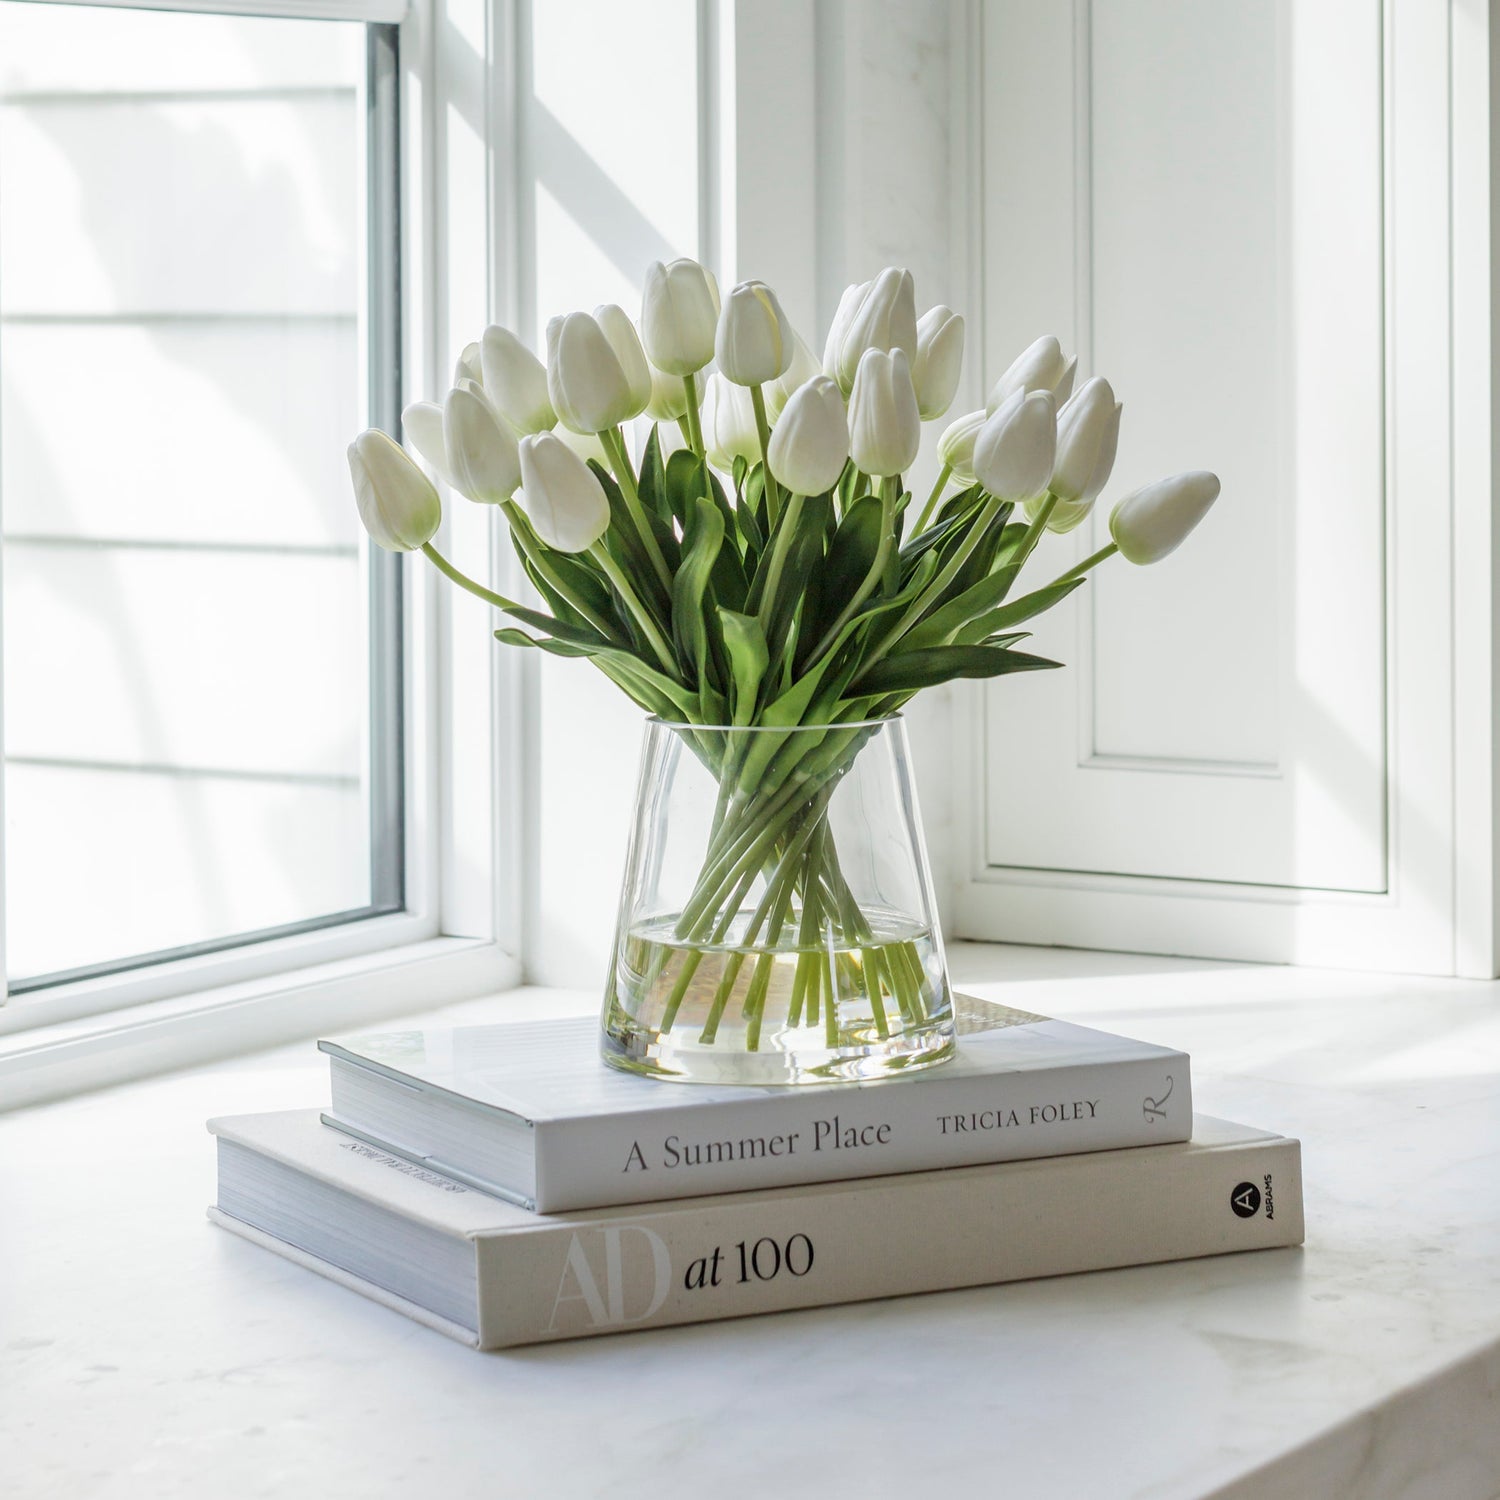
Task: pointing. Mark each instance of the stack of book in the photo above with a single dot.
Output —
(500, 1184)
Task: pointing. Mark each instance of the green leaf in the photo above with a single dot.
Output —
(935, 628)
(850, 486)
(852, 553)
(653, 492)
(702, 540)
(745, 645)
(513, 637)
(918, 669)
(1027, 607)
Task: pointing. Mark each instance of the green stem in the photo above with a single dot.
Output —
(942, 480)
(463, 580)
(763, 428)
(867, 584)
(600, 553)
(1091, 561)
(779, 550)
(1035, 530)
(693, 417)
(537, 557)
(619, 461)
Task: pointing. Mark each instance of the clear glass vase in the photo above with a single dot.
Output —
(777, 923)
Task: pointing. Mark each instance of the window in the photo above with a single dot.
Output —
(198, 307)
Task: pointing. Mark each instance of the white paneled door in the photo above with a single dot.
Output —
(1238, 214)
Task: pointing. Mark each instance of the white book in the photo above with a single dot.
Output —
(526, 1110)
(492, 1274)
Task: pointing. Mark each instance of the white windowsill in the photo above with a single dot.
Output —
(74, 1053)
(1366, 1364)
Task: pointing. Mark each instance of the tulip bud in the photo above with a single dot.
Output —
(397, 503)
(885, 427)
(669, 395)
(1088, 432)
(1039, 367)
(564, 500)
(754, 343)
(481, 447)
(804, 367)
(626, 343)
(939, 360)
(679, 316)
(729, 430)
(588, 387)
(470, 366)
(810, 443)
(422, 424)
(880, 314)
(515, 380)
(956, 446)
(1015, 448)
(1154, 521)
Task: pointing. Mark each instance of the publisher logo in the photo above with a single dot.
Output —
(1245, 1200)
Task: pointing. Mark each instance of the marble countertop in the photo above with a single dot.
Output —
(144, 1353)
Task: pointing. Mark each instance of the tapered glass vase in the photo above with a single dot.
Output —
(777, 922)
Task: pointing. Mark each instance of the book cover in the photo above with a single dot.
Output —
(527, 1110)
(494, 1275)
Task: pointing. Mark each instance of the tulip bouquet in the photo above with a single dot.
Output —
(761, 565)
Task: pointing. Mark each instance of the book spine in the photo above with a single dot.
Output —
(811, 1246)
(832, 1136)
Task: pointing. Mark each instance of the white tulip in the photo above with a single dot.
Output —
(589, 389)
(880, 314)
(810, 443)
(1039, 367)
(956, 446)
(754, 342)
(397, 503)
(515, 380)
(470, 365)
(729, 429)
(669, 395)
(885, 427)
(422, 423)
(804, 367)
(1088, 432)
(1014, 451)
(480, 445)
(939, 360)
(563, 498)
(679, 316)
(626, 343)
(1154, 521)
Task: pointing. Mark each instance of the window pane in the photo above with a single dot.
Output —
(188, 634)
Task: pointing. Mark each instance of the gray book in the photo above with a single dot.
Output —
(492, 1274)
(526, 1110)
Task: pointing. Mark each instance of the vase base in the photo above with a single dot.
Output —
(681, 1057)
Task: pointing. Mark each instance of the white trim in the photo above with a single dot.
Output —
(67, 1058)
(388, 12)
(1475, 53)
(1441, 732)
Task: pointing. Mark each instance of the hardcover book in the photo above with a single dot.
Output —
(493, 1274)
(526, 1111)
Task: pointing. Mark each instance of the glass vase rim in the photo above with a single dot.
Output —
(656, 721)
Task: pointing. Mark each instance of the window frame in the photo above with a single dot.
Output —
(464, 732)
